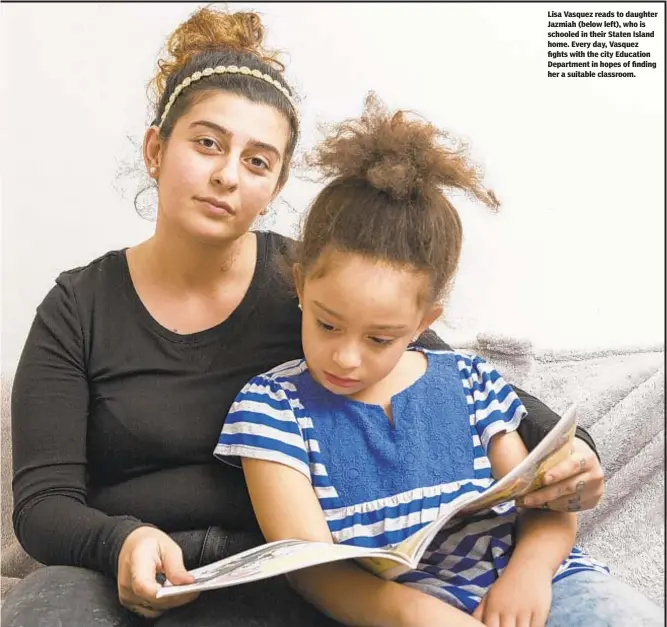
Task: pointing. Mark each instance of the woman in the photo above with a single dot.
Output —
(133, 360)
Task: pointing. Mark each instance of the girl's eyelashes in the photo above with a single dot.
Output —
(324, 326)
(377, 341)
(381, 341)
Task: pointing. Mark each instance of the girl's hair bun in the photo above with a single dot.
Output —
(400, 154)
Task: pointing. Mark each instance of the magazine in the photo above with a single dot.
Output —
(284, 556)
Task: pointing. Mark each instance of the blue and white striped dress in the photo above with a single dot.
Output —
(380, 481)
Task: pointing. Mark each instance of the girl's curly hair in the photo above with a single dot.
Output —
(386, 197)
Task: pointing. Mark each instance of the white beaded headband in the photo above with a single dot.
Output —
(224, 69)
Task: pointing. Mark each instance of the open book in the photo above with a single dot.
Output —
(284, 556)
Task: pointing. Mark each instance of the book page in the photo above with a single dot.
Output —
(412, 548)
(268, 560)
(384, 567)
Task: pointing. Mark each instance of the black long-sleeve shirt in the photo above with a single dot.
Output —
(114, 417)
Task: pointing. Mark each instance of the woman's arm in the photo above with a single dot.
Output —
(51, 518)
(287, 508)
(540, 420)
(49, 414)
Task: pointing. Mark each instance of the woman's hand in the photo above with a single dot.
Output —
(575, 484)
(520, 597)
(145, 553)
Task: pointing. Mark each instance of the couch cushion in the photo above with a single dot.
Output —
(15, 562)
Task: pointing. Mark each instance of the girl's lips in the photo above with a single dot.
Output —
(342, 383)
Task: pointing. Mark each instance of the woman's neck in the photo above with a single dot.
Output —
(191, 265)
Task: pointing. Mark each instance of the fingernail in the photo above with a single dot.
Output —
(548, 479)
(528, 502)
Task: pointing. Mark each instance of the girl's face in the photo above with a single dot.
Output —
(358, 319)
(220, 167)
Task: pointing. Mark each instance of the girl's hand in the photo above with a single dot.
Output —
(145, 553)
(521, 597)
(428, 611)
(577, 483)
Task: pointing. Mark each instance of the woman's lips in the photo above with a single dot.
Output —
(341, 383)
(217, 207)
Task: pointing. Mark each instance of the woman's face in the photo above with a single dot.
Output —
(220, 167)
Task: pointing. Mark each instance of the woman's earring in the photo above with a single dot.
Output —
(152, 170)
(300, 307)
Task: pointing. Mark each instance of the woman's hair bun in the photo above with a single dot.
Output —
(399, 153)
(210, 30)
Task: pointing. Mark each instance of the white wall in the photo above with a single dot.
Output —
(574, 259)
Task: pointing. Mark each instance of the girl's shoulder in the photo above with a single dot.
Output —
(470, 369)
(285, 371)
(463, 359)
(272, 394)
(280, 380)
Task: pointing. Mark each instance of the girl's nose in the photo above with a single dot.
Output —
(347, 356)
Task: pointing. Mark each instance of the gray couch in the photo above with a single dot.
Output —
(620, 395)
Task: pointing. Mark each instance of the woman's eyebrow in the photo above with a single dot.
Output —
(227, 133)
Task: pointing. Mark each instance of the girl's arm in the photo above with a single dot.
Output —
(544, 540)
(543, 536)
(287, 508)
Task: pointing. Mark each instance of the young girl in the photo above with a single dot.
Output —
(365, 439)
